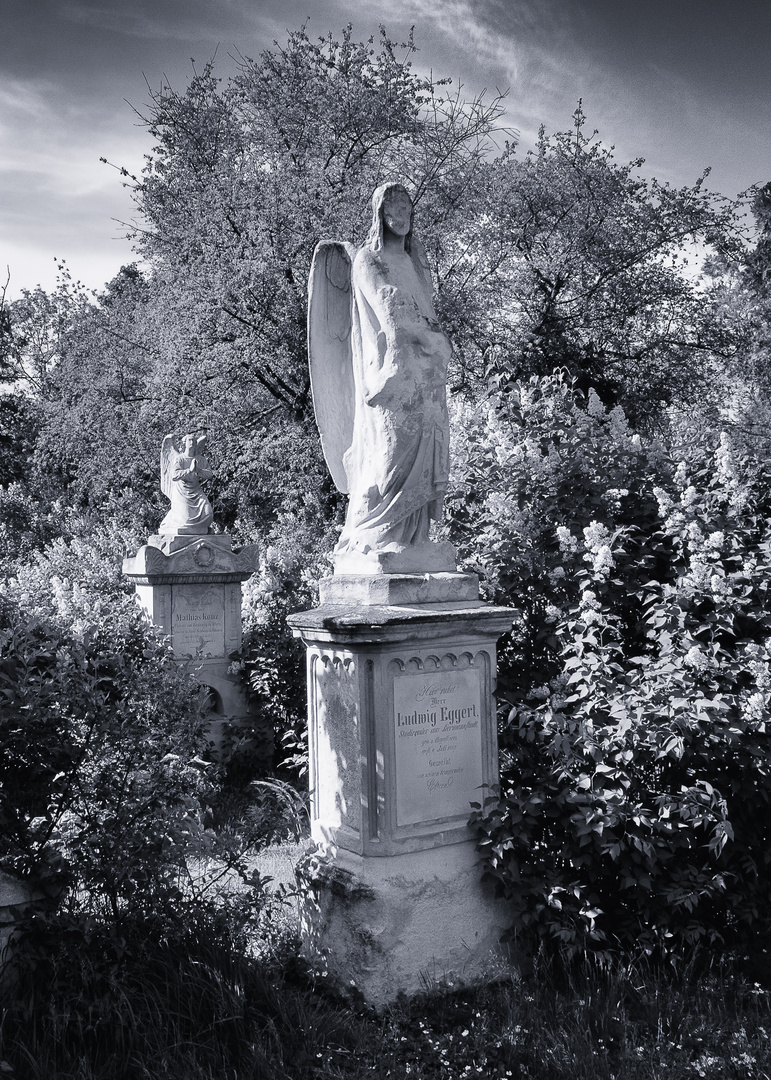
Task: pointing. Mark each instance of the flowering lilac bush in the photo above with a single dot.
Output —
(636, 765)
(534, 466)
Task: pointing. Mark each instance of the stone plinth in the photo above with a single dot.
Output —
(397, 589)
(402, 741)
(190, 587)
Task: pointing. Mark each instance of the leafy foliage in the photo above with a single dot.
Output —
(636, 776)
(273, 661)
(108, 789)
(245, 179)
(100, 737)
(535, 463)
(563, 257)
(567, 258)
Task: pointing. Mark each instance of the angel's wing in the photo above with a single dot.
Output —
(329, 351)
(168, 453)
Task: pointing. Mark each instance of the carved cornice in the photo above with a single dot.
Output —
(359, 625)
(205, 559)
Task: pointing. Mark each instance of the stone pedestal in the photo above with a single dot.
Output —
(401, 675)
(190, 587)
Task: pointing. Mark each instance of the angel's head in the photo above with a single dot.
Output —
(391, 208)
(191, 444)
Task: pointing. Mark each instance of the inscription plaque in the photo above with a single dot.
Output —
(198, 621)
(438, 735)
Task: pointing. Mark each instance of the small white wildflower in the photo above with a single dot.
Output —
(716, 540)
(693, 531)
(760, 674)
(594, 406)
(595, 535)
(756, 707)
(603, 561)
(589, 600)
(500, 505)
(613, 496)
(568, 543)
(697, 659)
(700, 573)
(726, 465)
(718, 585)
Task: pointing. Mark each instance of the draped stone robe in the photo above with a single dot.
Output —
(398, 462)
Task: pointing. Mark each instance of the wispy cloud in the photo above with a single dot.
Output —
(25, 98)
(658, 81)
(59, 148)
(172, 20)
(56, 198)
(548, 54)
(525, 47)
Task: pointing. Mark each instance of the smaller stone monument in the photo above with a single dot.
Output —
(188, 579)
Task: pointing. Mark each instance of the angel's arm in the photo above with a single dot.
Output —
(186, 470)
(201, 464)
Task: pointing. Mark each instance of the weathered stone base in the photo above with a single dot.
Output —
(404, 923)
(402, 743)
(429, 557)
(398, 589)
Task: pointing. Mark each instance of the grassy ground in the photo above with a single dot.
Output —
(631, 1024)
(201, 1009)
(216, 1018)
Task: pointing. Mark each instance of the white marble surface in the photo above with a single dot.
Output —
(374, 338)
(183, 466)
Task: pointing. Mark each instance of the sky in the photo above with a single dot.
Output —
(682, 83)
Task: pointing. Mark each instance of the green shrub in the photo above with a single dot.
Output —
(100, 736)
(273, 660)
(636, 764)
(107, 783)
(532, 462)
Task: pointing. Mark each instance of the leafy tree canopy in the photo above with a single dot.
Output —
(573, 260)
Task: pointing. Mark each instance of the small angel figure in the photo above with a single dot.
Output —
(183, 466)
(378, 362)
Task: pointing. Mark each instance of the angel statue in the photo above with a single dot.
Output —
(183, 466)
(378, 363)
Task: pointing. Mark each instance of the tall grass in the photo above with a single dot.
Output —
(89, 1004)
